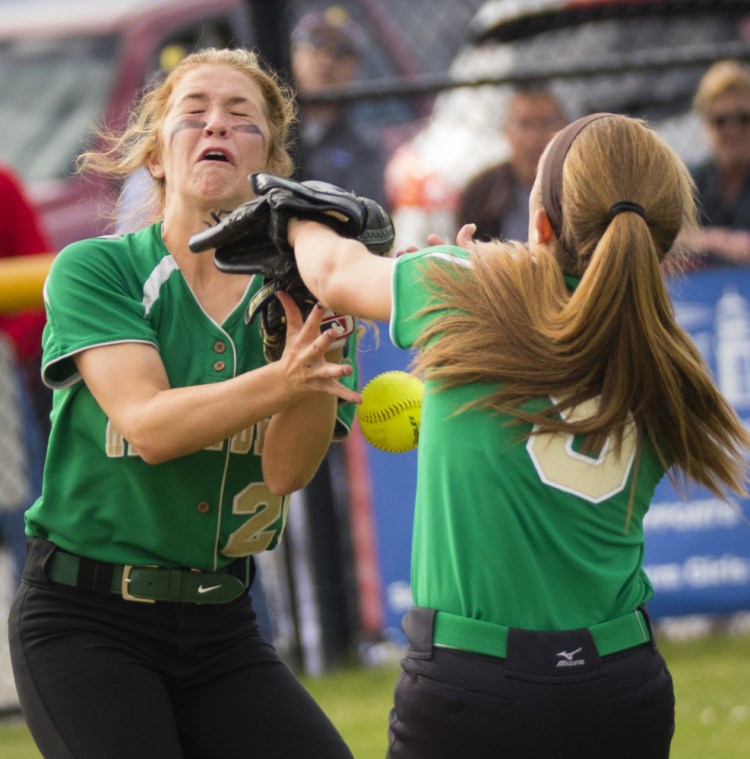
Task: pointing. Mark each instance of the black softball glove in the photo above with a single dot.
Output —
(253, 240)
(348, 214)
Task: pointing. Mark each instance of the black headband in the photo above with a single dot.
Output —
(626, 205)
(552, 170)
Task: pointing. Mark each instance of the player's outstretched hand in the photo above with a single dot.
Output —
(463, 238)
(304, 366)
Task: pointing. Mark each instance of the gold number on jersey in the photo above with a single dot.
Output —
(265, 509)
(594, 478)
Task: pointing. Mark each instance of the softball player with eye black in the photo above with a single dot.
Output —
(173, 449)
(559, 390)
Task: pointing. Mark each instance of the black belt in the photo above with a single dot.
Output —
(149, 584)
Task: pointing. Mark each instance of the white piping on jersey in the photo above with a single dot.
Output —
(161, 273)
(228, 441)
(76, 376)
(240, 304)
(449, 257)
(156, 279)
(222, 491)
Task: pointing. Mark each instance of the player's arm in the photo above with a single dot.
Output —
(341, 272)
(129, 382)
(299, 436)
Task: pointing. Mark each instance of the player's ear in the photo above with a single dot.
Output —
(542, 228)
(155, 167)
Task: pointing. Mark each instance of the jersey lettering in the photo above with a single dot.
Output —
(593, 477)
(267, 512)
(243, 441)
(114, 443)
(251, 438)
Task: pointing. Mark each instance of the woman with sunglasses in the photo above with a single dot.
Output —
(722, 101)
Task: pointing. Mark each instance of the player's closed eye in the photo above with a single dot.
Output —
(721, 120)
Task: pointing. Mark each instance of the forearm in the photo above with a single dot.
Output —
(321, 254)
(341, 272)
(296, 441)
(130, 384)
(177, 421)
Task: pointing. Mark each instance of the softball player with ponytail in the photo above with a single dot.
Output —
(173, 449)
(559, 391)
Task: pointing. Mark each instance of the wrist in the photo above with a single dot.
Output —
(294, 226)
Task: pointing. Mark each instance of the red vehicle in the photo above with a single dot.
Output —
(67, 66)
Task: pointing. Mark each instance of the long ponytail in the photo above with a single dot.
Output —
(511, 319)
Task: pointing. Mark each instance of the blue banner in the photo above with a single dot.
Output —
(697, 549)
(393, 478)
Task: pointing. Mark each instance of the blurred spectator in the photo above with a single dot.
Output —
(722, 101)
(326, 51)
(24, 401)
(497, 199)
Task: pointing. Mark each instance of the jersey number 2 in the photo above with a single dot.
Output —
(265, 525)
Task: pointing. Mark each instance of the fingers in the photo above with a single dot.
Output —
(463, 238)
(465, 235)
(291, 311)
(305, 353)
(324, 376)
(410, 249)
(308, 327)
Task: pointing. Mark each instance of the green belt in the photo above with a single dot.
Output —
(151, 584)
(481, 637)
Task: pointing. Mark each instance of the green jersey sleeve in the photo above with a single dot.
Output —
(411, 293)
(90, 300)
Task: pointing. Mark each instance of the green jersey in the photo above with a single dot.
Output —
(518, 530)
(99, 498)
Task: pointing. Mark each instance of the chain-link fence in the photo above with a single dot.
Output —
(16, 490)
(430, 91)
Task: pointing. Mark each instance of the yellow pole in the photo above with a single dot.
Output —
(22, 280)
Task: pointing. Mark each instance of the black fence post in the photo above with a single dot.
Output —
(325, 497)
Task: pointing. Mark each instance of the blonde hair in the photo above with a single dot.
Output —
(511, 318)
(125, 152)
(722, 78)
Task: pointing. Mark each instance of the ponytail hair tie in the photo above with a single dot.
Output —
(626, 205)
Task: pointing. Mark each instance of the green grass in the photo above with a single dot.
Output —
(712, 682)
(16, 743)
(712, 685)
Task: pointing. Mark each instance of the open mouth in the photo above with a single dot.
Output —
(215, 155)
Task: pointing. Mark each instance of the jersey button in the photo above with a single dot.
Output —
(203, 507)
(219, 366)
(219, 346)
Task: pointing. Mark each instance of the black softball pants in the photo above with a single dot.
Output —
(451, 704)
(106, 678)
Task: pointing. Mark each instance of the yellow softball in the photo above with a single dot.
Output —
(390, 411)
